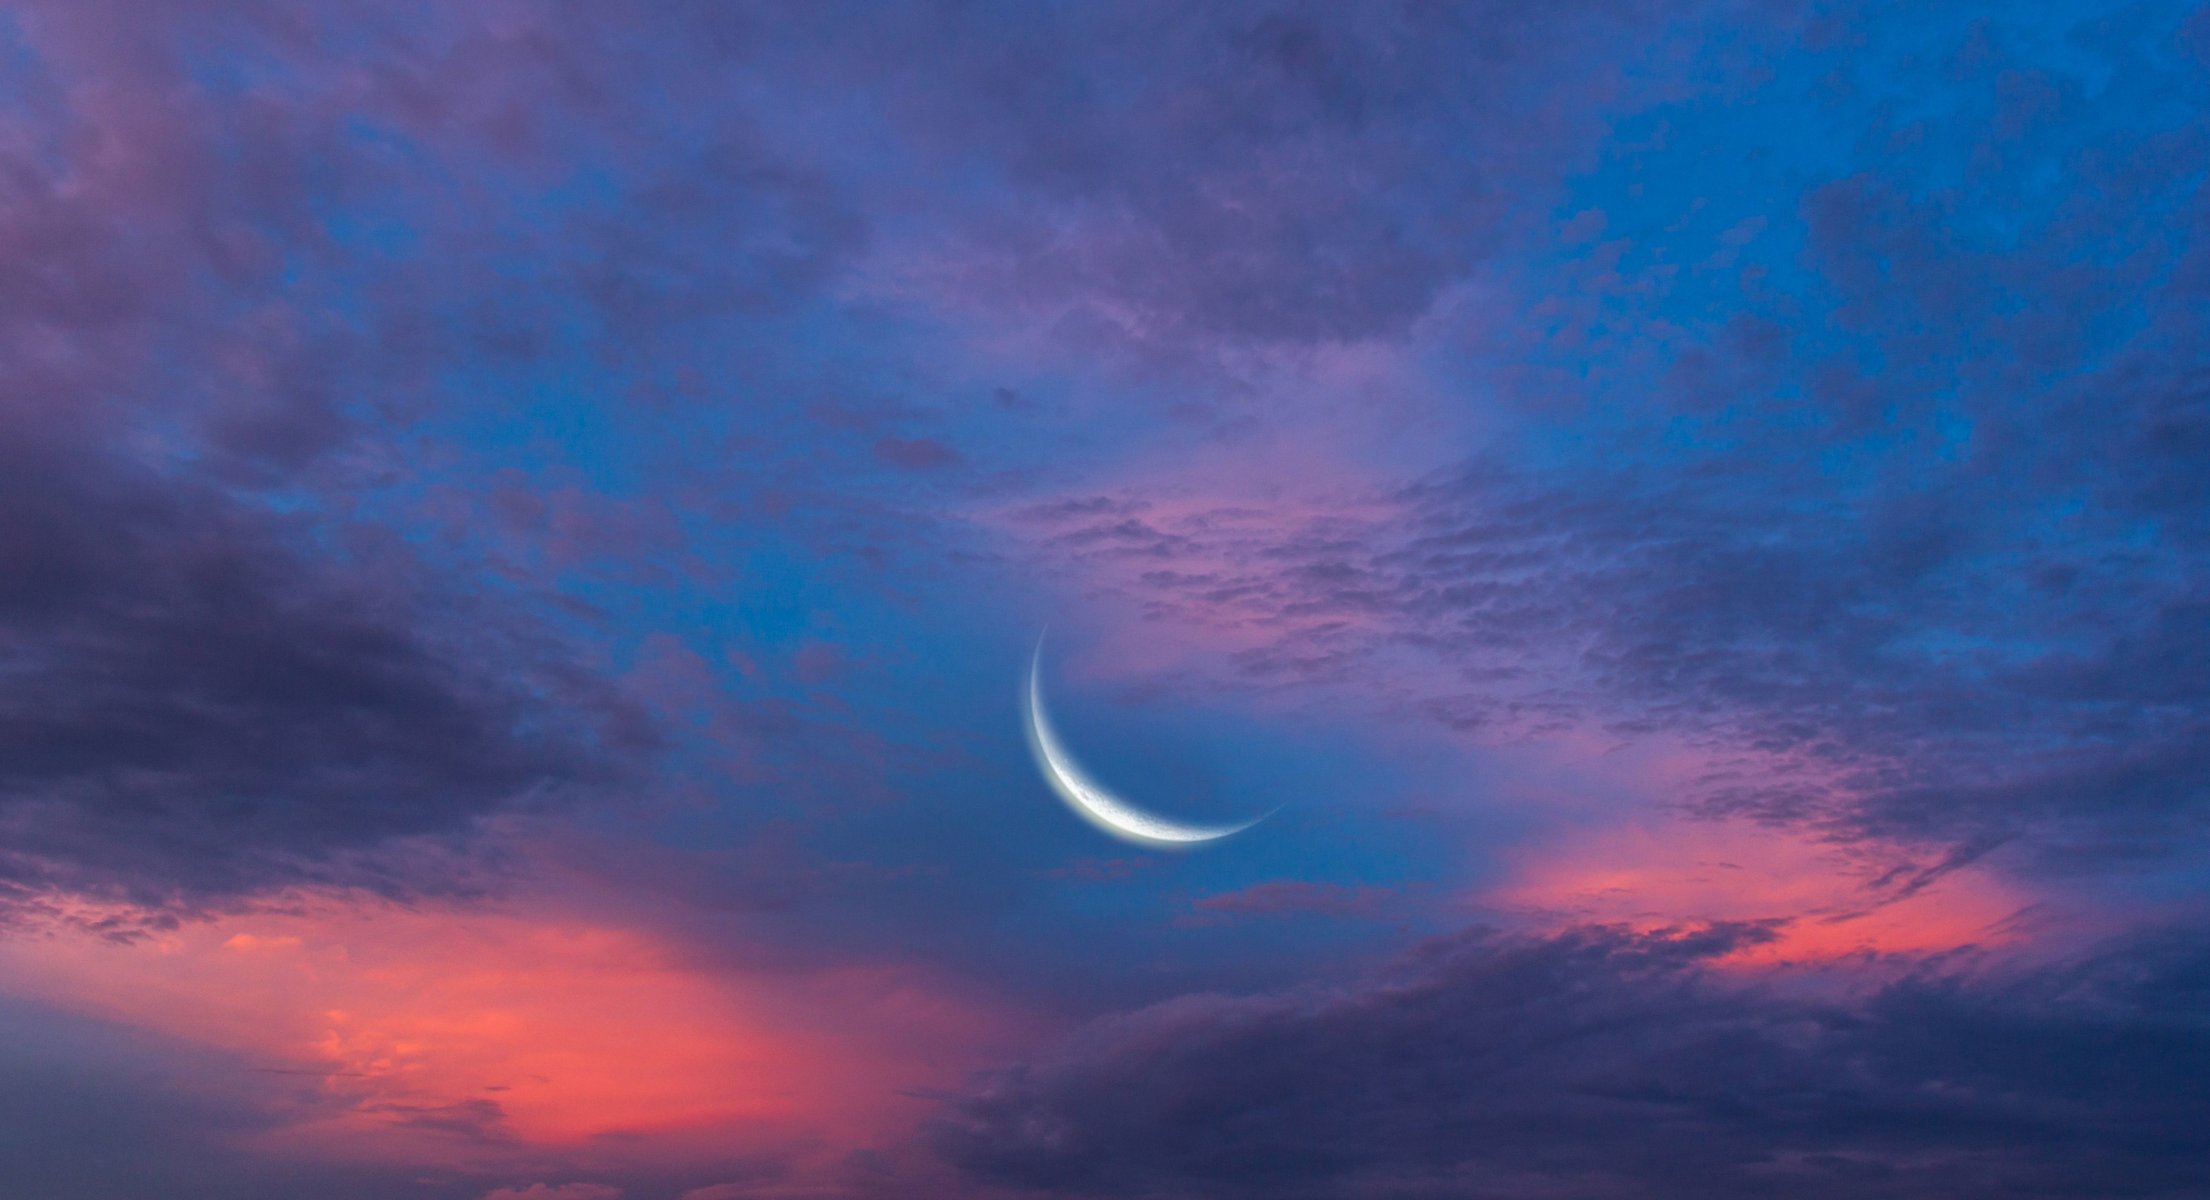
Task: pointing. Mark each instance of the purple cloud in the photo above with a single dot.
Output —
(1481, 1063)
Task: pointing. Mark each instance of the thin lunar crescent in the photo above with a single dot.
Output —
(1089, 799)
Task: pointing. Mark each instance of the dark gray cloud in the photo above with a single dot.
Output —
(1490, 1065)
(263, 260)
(198, 704)
(224, 672)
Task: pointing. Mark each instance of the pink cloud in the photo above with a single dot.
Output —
(473, 1037)
(1829, 899)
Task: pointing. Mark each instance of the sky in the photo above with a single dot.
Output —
(523, 529)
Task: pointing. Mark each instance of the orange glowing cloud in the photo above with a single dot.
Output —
(1828, 899)
(454, 1035)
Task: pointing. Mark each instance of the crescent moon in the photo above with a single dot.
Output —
(1090, 800)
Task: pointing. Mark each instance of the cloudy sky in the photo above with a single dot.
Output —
(523, 527)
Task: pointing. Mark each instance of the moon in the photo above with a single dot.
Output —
(1090, 800)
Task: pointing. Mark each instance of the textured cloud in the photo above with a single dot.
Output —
(228, 670)
(1874, 465)
(1193, 184)
(1483, 1064)
(196, 708)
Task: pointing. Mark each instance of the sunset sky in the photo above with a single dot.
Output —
(523, 528)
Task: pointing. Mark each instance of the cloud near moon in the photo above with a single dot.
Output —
(1090, 800)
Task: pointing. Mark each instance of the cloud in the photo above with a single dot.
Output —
(564, 1191)
(915, 454)
(201, 707)
(494, 1037)
(1248, 175)
(1485, 1063)
(1284, 897)
(232, 663)
(105, 1112)
(1874, 471)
